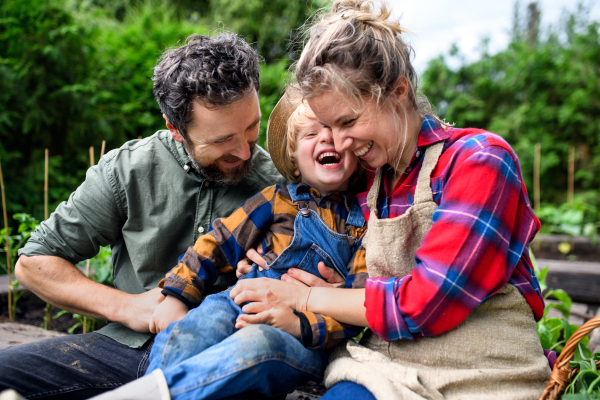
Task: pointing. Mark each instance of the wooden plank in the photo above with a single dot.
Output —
(580, 279)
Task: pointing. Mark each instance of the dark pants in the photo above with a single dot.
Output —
(71, 367)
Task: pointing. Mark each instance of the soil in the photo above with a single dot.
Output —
(31, 310)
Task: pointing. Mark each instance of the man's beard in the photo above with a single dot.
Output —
(213, 173)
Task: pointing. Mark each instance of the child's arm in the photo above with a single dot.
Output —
(168, 311)
(220, 249)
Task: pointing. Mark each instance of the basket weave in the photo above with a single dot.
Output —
(562, 373)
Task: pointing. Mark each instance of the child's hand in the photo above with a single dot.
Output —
(170, 310)
(279, 316)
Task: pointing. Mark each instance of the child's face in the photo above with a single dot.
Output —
(319, 164)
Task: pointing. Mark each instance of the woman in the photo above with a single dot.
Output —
(452, 298)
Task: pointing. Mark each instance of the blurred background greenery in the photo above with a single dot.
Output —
(74, 73)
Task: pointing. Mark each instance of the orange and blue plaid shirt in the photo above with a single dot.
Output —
(268, 218)
(478, 242)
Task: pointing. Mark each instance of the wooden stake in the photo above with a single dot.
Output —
(571, 189)
(102, 149)
(140, 137)
(11, 317)
(91, 156)
(48, 315)
(536, 176)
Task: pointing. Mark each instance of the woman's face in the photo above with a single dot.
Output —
(370, 133)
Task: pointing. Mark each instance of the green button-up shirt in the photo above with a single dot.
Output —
(148, 203)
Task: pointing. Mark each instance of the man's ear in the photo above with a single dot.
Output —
(174, 131)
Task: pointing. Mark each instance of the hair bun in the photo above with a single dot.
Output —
(362, 10)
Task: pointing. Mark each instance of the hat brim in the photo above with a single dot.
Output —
(277, 127)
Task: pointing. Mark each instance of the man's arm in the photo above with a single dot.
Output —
(58, 282)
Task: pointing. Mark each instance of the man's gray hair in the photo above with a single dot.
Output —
(217, 71)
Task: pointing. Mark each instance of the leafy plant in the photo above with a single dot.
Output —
(27, 225)
(579, 218)
(92, 323)
(554, 332)
(586, 384)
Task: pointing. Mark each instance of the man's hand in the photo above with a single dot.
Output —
(58, 282)
(138, 311)
(303, 278)
(170, 310)
(279, 315)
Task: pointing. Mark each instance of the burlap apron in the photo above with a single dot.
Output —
(494, 354)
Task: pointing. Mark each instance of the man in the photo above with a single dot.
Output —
(148, 200)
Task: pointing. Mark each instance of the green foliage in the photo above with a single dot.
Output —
(26, 226)
(554, 332)
(586, 384)
(268, 24)
(75, 73)
(100, 267)
(580, 218)
(544, 94)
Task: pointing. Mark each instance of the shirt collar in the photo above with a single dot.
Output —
(344, 196)
(431, 132)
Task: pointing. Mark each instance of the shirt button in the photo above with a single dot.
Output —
(186, 167)
(418, 153)
(200, 229)
(206, 183)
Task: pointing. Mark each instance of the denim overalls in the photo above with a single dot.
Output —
(205, 356)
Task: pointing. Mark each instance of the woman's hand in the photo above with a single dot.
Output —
(254, 291)
(279, 315)
(303, 278)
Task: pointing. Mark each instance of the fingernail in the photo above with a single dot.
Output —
(291, 271)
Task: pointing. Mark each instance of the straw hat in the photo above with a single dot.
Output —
(277, 126)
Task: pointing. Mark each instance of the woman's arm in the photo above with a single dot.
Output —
(477, 244)
(343, 305)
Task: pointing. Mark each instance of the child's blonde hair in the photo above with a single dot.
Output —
(297, 121)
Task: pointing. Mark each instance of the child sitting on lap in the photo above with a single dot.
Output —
(299, 225)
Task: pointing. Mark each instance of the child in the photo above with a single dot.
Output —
(299, 225)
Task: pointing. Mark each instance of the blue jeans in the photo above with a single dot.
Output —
(70, 367)
(205, 356)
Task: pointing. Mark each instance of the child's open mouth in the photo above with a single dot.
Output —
(329, 158)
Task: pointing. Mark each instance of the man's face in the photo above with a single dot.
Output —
(220, 141)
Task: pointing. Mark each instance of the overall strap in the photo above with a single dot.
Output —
(297, 197)
(423, 191)
(356, 217)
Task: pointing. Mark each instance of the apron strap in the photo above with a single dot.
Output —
(423, 191)
(374, 191)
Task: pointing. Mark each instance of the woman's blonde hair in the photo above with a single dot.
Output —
(360, 54)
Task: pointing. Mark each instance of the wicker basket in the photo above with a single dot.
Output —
(562, 374)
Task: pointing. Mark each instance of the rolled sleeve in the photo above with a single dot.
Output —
(90, 218)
